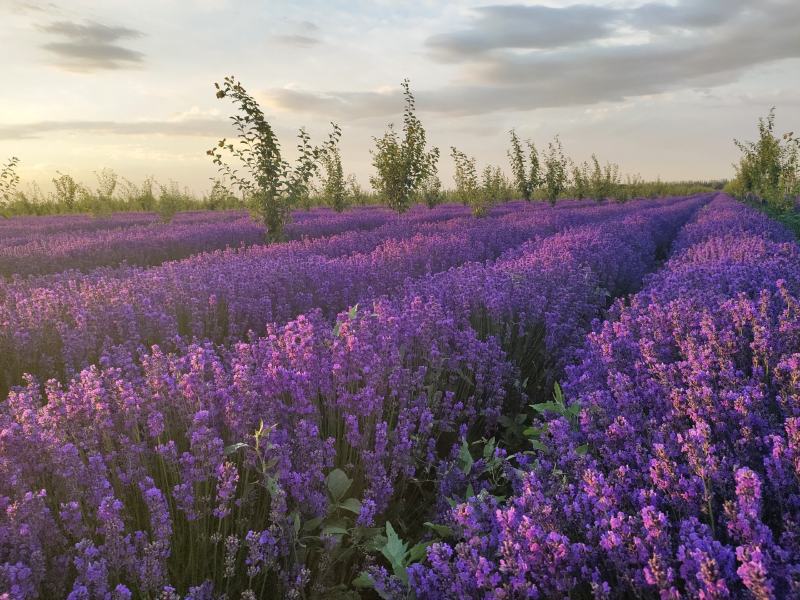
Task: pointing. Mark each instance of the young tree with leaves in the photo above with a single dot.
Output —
(770, 167)
(468, 188)
(556, 175)
(403, 163)
(334, 189)
(269, 183)
(527, 174)
(8, 182)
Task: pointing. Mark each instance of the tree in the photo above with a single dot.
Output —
(402, 164)
(270, 185)
(334, 189)
(67, 190)
(555, 175)
(770, 167)
(430, 191)
(8, 182)
(580, 180)
(527, 177)
(604, 180)
(466, 179)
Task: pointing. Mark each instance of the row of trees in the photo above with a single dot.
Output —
(405, 168)
(111, 193)
(405, 173)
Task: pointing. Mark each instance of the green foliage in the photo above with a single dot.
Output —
(8, 182)
(527, 174)
(334, 189)
(170, 200)
(769, 168)
(465, 177)
(430, 191)
(271, 185)
(495, 185)
(403, 163)
(604, 180)
(556, 175)
(67, 191)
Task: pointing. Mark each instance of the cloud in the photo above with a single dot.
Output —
(523, 57)
(90, 46)
(297, 40)
(524, 27)
(187, 125)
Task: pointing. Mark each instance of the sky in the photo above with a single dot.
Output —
(660, 87)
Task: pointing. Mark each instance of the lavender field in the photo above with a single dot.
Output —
(585, 400)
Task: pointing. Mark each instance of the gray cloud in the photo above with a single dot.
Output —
(195, 126)
(524, 27)
(91, 46)
(297, 40)
(520, 57)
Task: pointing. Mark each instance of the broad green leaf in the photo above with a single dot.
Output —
(418, 551)
(338, 483)
(488, 449)
(333, 530)
(352, 505)
(364, 581)
(538, 445)
(441, 530)
(547, 406)
(312, 524)
(465, 458)
(582, 449)
(395, 552)
(470, 491)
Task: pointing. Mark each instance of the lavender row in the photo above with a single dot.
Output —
(57, 327)
(132, 245)
(140, 486)
(679, 475)
(42, 248)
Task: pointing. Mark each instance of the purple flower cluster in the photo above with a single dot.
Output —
(139, 487)
(681, 476)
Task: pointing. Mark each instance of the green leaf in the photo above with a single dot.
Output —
(582, 449)
(363, 581)
(296, 523)
(537, 445)
(465, 458)
(333, 530)
(395, 551)
(470, 491)
(441, 530)
(234, 448)
(543, 407)
(338, 483)
(558, 394)
(488, 449)
(351, 314)
(418, 552)
(312, 524)
(352, 505)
